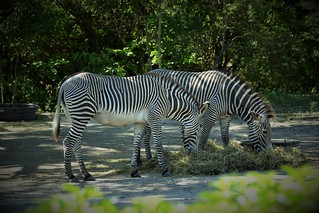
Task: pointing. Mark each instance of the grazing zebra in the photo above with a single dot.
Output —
(115, 101)
(228, 95)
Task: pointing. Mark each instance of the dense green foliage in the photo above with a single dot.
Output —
(252, 192)
(272, 44)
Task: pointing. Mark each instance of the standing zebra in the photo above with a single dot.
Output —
(228, 96)
(115, 101)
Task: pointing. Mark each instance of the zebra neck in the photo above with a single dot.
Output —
(177, 106)
(244, 112)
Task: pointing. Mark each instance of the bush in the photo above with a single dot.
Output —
(253, 192)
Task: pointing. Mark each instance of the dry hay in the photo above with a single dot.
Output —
(216, 159)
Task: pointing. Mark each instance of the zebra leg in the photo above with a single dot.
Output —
(146, 136)
(190, 138)
(207, 126)
(78, 155)
(67, 148)
(138, 157)
(208, 123)
(72, 143)
(138, 132)
(182, 129)
(147, 139)
(224, 129)
(157, 132)
(138, 154)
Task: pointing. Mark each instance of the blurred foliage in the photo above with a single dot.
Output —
(272, 44)
(251, 192)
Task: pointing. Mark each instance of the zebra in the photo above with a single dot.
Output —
(229, 95)
(116, 101)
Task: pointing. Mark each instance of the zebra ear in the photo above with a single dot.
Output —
(204, 107)
(256, 116)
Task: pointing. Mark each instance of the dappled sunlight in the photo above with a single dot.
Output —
(34, 163)
(171, 147)
(50, 166)
(98, 165)
(123, 188)
(51, 146)
(119, 160)
(106, 165)
(9, 171)
(270, 45)
(93, 150)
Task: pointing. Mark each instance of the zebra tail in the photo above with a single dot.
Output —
(56, 120)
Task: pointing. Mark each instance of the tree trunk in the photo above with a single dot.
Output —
(159, 35)
(148, 41)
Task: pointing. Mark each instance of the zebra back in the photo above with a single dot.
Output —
(119, 94)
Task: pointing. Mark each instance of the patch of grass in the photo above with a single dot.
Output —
(216, 159)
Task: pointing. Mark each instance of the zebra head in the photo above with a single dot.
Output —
(192, 127)
(260, 131)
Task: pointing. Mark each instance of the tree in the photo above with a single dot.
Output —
(273, 44)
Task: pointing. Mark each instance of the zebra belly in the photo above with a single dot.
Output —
(116, 119)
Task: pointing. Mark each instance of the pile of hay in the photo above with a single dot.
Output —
(216, 159)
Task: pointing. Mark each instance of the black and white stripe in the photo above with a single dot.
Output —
(228, 95)
(140, 100)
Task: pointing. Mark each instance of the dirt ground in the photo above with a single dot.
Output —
(31, 163)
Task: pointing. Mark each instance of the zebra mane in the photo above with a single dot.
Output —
(266, 104)
(165, 78)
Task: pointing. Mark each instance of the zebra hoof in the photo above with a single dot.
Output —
(166, 173)
(89, 178)
(135, 174)
(74, 180)
(139, 162)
